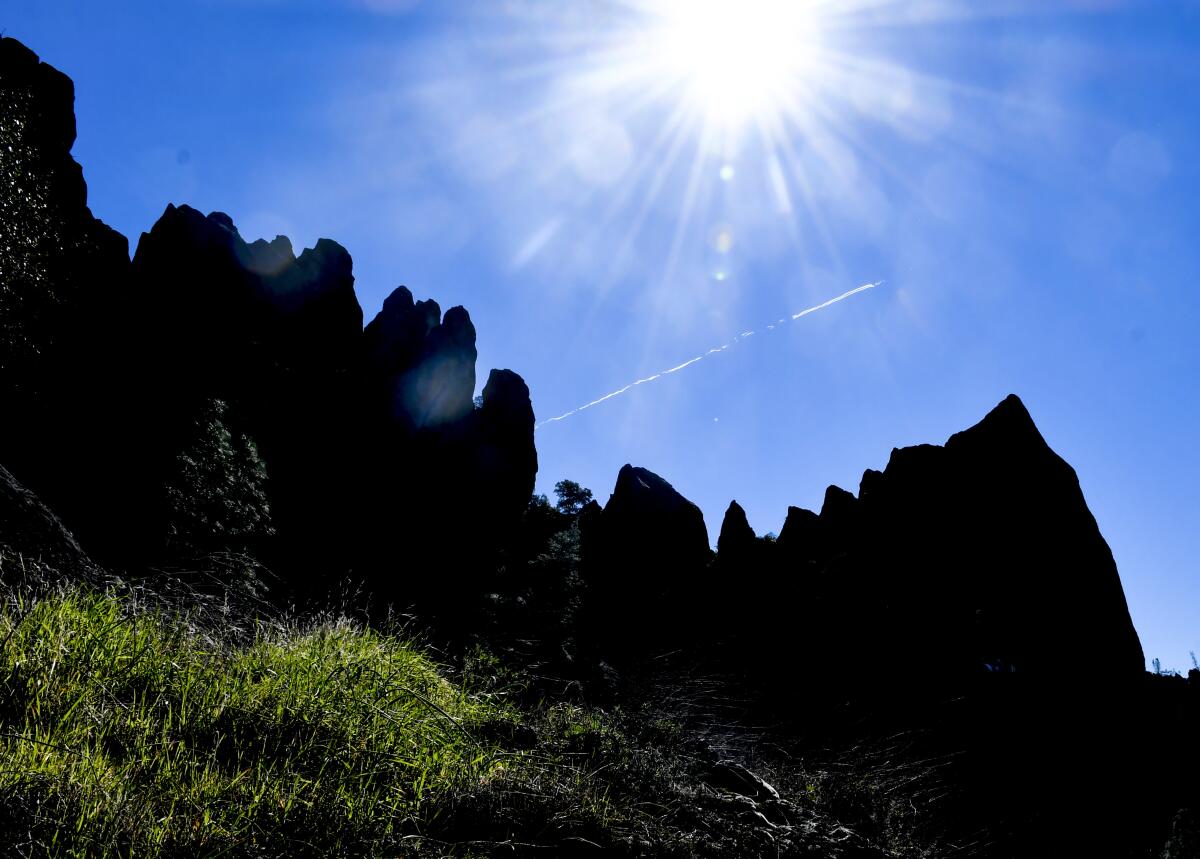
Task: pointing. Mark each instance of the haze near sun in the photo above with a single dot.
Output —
(737, 61)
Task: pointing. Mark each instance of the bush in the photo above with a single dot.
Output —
(216, 493)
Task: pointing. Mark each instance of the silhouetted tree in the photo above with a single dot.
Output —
(216, 492)
(571, 497)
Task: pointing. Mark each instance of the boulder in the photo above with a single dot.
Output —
(732, 776)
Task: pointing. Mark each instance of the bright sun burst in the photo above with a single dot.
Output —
(708, 130)
(736, 60)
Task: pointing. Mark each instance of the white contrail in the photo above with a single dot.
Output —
(712, 351)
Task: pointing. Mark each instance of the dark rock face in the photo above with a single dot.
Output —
(1011, 545)
(375, 458)
(370, 438)
(506, 457)
(645, 520)
(59, 267)
(734, 585)
(393, 344)
(644, 557)
(207, 317)
(737, 537)
(799, 533)
(955, 562)
(423, 364)
(218, 305)
(29, 529)
(53, 252)
(973, 558)
(437, 391)
(446, 468)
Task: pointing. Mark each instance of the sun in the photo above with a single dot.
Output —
(737, 60)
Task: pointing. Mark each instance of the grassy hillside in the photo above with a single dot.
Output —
(138, 733)
(131, 727)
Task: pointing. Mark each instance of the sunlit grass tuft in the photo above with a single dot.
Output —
(128, 733)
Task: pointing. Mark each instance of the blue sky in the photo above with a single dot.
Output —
(1023, 181)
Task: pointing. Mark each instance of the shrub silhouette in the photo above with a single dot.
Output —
(216, 493)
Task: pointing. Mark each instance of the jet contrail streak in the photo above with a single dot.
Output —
(712, 351)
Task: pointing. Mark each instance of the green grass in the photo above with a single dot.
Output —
(131, 728)
(132, 733)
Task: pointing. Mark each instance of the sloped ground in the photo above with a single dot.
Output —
(134, 725)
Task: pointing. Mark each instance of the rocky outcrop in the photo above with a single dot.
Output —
(393, 343)
(737, 538)
(800, 531)
(54, 255)
(438, 390)
(646, 521)
(376, 459)
(644, 557)
(505, 453)
(218, 307)
(422, 363)
(59, 271)
(449, 468)
(1007, 567)
(978, 557)
(209, 317)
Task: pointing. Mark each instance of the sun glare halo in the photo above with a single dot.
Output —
(737, 60)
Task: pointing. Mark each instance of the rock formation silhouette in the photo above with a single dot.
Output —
(59, 267)
(979, 556)
(276, 337)
(645, 557)
(377, 461)
(737, 538)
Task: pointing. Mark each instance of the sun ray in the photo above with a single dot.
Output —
(810, 104)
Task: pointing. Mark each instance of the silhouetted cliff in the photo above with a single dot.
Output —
(979, 557)
(345, 451)
(59, 266)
